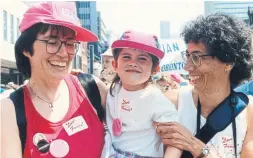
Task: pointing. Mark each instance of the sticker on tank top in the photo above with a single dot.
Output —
(75, 125)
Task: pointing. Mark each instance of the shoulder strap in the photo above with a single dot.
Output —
(17, 98)
(90, 86)
(214, 124)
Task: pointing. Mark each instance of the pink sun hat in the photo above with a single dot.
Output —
(176, 77)
(57, 13)
(141, 41)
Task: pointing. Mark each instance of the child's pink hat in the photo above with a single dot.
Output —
(140, 41)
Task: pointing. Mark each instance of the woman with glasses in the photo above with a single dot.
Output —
(215, 121)
(60, 120)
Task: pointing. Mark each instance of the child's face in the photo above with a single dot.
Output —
(107, 62)
(133, 66)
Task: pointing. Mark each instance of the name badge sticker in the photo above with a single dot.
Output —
(75, 125)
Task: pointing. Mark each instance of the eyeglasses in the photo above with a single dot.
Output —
(54, 45)
(195, 58)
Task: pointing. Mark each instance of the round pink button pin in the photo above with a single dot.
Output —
(59, 148)
(117, 127)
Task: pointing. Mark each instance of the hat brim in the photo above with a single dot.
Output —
(146, 48)
(82, 34)
(107, 53)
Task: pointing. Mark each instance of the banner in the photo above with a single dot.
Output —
(172, 45)
(172, 61)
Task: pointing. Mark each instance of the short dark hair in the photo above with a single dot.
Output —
(227, 38)
(116, 79)
(26, 40)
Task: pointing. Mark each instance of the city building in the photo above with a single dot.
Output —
(164, 29)
(102, 34)
(111, 37)
(235, 8)
(91, 19)
(10, 17)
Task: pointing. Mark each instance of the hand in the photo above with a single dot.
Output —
(76, 71)
(176, 135)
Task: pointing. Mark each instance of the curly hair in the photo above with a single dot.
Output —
(226, 38)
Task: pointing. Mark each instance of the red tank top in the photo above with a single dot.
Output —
(87, 143)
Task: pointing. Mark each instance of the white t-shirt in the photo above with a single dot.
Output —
(222, 143)
(138, 110)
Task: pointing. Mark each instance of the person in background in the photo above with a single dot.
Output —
(167, 81)
(246, 87)
(107, 73)
(9, 88)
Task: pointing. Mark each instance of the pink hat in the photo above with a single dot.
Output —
(57, 13)
(141, 41)
(176, 77)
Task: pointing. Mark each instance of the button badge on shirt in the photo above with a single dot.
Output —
(75, 125)
(41, 143)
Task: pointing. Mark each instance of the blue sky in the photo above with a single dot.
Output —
(146, 15)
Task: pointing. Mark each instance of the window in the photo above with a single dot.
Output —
(87, 27)
(86, 4)
(18, 32)
(5, 25)
(86, 16)
(12, 29)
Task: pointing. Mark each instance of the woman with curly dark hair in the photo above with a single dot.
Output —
(215, 120)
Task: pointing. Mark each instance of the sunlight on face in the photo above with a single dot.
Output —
(133, 66)
(52, 66)
(209, 74)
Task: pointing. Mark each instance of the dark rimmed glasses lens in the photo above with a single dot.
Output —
(54, 45)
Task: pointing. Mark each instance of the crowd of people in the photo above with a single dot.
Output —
(7, 89)
(148, 114)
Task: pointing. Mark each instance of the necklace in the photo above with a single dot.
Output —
(51, 106)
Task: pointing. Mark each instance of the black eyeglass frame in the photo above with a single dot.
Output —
(62, 42)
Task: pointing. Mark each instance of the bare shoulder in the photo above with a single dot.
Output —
(103, 89)
(247, 150)
(9, 131)
(172, 96)
(7, 109)
(8, 115)
(249, 113)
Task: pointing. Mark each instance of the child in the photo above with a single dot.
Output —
(133, 102)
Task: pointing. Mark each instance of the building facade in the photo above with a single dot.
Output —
(88, 15)
(91, 19)
(102, 34)
(10, 17)
(235, 8)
